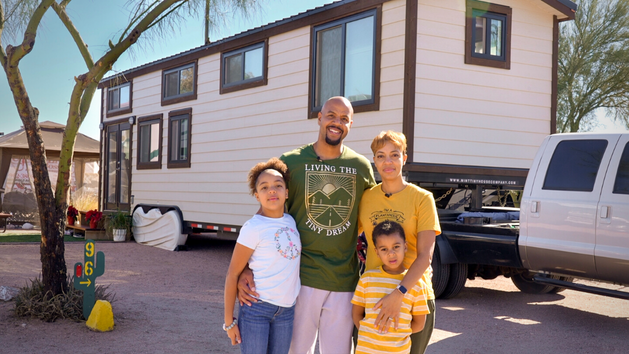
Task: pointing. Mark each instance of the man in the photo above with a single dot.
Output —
(327, 180)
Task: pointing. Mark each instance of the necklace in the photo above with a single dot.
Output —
(388, 195)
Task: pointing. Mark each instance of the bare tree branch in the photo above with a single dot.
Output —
(60, 9)
(20, 51)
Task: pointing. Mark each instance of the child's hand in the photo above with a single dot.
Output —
(234, 335)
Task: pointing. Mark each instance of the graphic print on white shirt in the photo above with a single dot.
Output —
(285, 245)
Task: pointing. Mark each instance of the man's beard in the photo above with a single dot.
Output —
(333, 142)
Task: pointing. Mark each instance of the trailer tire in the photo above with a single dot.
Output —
(525, 283)
(456, 283)
(440, 273)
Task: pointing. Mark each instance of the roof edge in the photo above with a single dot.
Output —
(219, 45)
(566, 7)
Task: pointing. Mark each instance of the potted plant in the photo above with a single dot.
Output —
(72, 214)
(93, 217)
(120, 223)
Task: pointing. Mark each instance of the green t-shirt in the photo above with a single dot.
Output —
(323, 198)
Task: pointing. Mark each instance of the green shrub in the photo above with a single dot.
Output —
(32, 301)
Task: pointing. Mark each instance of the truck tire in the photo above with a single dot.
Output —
(559, 289)
(525, 283)
(456, 283)
(440, 273)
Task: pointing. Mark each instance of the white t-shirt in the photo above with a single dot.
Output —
(275, 259)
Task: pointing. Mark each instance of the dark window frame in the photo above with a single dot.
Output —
(174, 116)
(360, 106)
(119, 111)
(116, 125)
(245, 83)
(180, 97)
(149, 120)
(500, 62)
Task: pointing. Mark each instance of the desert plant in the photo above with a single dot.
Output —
(34, 301)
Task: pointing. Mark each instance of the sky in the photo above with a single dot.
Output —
(49, 70)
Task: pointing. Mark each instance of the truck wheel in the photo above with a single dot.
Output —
(559, 289)
(456, 283)
(525, 283)
(440, 273)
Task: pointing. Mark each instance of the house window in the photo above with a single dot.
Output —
(119, 100)
(243, 68)
(179, 84)
(344, 61)
(150, 142)
(488, 34)
(179, 138)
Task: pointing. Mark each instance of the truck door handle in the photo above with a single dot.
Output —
(535, 207)
(604, 213)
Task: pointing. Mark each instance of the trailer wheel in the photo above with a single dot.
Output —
(440, 273)
(524, 282)
(558, 289)
(456, 283)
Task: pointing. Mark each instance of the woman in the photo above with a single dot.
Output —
(396, 200)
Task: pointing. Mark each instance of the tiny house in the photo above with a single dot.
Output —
(472, 84)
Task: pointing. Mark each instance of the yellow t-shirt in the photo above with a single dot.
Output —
(414, 208)
(372, 286)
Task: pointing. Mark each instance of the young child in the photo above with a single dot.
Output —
(390, 243)
(270, 244)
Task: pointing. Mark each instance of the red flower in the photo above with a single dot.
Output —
(72, 212)
(93, 215)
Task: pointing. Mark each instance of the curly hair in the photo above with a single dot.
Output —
(395, 138)
(387, 228)
(273, 164)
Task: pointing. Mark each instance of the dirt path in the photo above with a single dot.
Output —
(172, 302)
(166, 302)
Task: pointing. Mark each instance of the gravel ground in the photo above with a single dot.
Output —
(172, 302)
(166, 302)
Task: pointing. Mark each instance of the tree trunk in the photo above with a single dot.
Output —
(52, 248)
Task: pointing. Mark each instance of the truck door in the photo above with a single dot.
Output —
(612, 224)
(562, 211)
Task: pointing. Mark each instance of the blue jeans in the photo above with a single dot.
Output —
(265, 328)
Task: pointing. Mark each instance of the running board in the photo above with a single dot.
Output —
(580, 287)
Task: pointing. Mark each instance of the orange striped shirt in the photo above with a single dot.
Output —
(373, 286)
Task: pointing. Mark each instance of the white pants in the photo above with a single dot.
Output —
(326, 313)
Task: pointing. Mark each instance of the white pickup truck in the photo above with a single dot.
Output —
(573, 222)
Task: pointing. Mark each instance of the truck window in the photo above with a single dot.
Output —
(621, 186)
(574, 165)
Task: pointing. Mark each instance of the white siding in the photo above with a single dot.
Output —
(367, 125)
(230, 133)
(465, 114)
(234, 131)
(475, 115)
